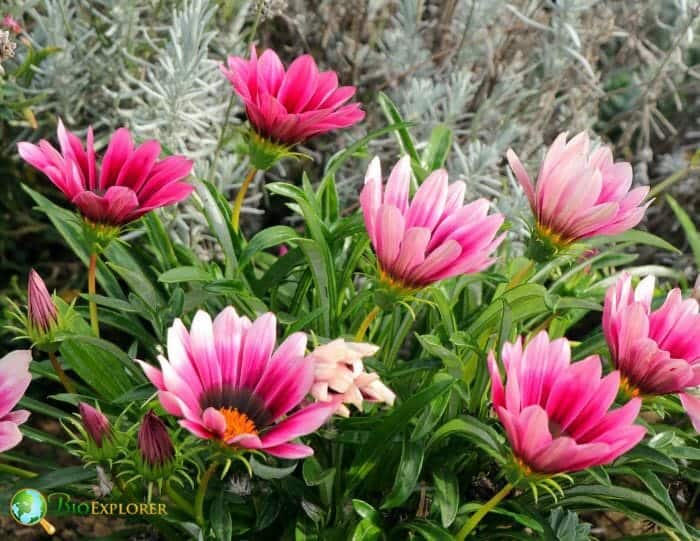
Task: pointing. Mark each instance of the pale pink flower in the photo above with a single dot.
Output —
(339, 371)
(433, 237)
(129, 182)
(581, 193)
(291, 106)
(41, 311)
(227, 382)
(9, 22)
(656, 351)
(14, 380)
(556, 413)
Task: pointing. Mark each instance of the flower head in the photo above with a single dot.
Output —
(287, 107)
(9, 22)
(41, 310)
(556, 413)
(580, 193)
(127, 183)
(154, 442)
(14, 380)
(656, 351)
(227, 382)
(433, 237)
(339, 371)
(95, 423)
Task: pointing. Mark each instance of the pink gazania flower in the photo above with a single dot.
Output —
(579, 193)
(656, 351)
(229, 383)
(339, 371)
(129, 182)
(434, 237)
(556, 413)
(9, 22)
(289, 107)
(14, 380)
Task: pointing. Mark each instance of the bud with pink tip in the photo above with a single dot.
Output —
(95, 423)
(41, 309)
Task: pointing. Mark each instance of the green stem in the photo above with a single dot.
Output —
(369, 318)
(201, 492)
(481, 513)
(65, 380)
(92, 289)
(238, 203)
(179, 500)
(220, 142)
(669, 181)
(254, 30)
(19, 472)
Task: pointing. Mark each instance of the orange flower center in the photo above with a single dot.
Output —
(237, 423)
(628, 389)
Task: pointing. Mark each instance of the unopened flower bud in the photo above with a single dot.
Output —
(41, 310)
(154, 442)
(95, 423)
(9, 22)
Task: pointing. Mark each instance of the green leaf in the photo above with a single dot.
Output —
(160, 241)
(382, 436)
(446, 495)
(525, 301)
(365, 510)
(185, 274)
(218, 214)
(60, 478)
(427, 530)
(438, 148)
(366, 530)
(270, 472)
(220, 518)
(39, 407)
(407, 474)
(100, 364)
(392, 114)
(323, 272)
(267, 238)
(475, 431)
(691, 232)
(314, 474)
(636, 237)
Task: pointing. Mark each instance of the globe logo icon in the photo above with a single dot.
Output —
(28, 507)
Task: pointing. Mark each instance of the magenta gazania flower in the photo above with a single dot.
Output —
(129, 182)
(556, 413)
(433, 237)
(41, 311)
(289, 107)
(14, 380)
(228, 383)
(656, 351)
(579, 193)
(95, 423)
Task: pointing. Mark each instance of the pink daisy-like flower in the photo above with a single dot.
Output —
(434, 236)
(227, 382)
(556, 413)
(581, 193)
(129, 182)
(656, 351)
(14, 380)
(291, 106)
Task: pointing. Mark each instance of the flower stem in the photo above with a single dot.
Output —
(92, 270)
(178, 500)
(201, 492)
(19, 472)
(238, 203)
(481, 513)
(68, 385)
(360, 334)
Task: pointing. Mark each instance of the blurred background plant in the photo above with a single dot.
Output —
(477, 75)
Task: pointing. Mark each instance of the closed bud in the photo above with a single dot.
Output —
(41, 310)
(95, 423)
(154, 442)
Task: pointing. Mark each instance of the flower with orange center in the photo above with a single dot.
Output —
(227, 382)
